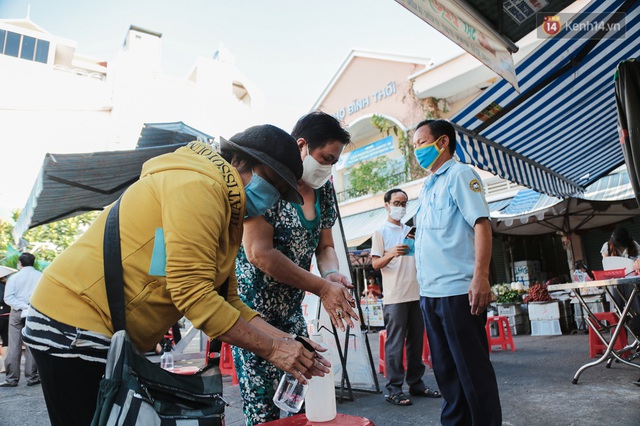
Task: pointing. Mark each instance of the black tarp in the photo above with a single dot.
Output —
(627, 84)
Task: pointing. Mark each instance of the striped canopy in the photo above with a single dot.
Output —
(560, 133)
(609, 200)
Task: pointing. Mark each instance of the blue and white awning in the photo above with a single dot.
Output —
(609, 200)
(560, 133)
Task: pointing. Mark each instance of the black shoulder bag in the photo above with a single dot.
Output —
(135, 391)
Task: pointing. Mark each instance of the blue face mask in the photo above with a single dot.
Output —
(428, 154)
(261, 196)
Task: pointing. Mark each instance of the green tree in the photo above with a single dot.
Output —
(45, 241)
(412, 169)
(373, 176)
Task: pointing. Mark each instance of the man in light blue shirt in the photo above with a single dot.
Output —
(453, 253)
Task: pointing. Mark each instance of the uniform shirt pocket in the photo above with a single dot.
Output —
(439, 212)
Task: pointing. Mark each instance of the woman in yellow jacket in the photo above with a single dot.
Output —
(196, 200)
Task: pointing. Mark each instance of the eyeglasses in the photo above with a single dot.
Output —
(399, 204)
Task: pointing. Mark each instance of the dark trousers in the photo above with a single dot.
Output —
(404, 321)
(70, 387)
(460, 356)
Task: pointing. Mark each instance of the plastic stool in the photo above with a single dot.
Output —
(382, 363)
(426, 351)
(341, 420)
(596, 347)
(227, 367)
(504, 337)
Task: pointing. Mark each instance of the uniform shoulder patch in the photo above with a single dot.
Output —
(475, 185)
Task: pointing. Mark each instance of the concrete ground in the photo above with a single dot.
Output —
(535, 389)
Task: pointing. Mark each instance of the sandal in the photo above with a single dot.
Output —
(399, 399)
(427, 393)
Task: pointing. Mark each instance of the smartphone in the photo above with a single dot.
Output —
(411, 233)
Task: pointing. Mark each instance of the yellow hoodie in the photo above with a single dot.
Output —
(198, 200)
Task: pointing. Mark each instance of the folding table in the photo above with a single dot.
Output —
(624, 312)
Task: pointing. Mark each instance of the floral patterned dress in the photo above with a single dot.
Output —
(279, 304)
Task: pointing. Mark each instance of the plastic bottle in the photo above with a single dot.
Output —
(290, 394)
(166, 360)
(321, 395)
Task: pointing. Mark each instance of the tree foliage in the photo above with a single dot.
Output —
(373, 176)
(412, 169)
(45, 241)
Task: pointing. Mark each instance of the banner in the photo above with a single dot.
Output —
(467, 32)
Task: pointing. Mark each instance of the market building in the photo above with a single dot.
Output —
(381, 97)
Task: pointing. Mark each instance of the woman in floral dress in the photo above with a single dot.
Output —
(273, 264)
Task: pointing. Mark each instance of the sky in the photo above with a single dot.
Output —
(289, 49)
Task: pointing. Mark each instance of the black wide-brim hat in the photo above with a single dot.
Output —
(274, 148)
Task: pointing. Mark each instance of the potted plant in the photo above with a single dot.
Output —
(506, 294)
(508, 299)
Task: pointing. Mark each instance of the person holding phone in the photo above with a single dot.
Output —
(391, 251)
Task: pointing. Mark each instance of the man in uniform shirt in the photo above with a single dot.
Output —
(401, 306)
(453, 252)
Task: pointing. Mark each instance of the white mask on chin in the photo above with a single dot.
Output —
(314, 174)
(397, 213)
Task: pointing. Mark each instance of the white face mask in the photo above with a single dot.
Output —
(314, 174)
(397, 213)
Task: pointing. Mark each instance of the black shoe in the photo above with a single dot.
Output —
(35, 382)
(6, 384)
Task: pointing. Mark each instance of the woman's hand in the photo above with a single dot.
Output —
(338, 278)
(339, 304)
(290, 355)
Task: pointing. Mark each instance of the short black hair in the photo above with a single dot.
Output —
(389, 193)
(27, 259)
(318, 129)
(439, 128)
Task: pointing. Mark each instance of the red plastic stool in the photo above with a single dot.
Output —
(227, 367)
(382, 363)
(426, 351)
(340, 420)
(504, 337)
(596, 347)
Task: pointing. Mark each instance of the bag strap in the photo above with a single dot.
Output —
(113, 275)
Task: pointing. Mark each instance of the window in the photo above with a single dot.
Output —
(42, 51)
(12, 46)
(24, 47)
(28, 48)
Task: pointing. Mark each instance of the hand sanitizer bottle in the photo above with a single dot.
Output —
(290, 394)
(166, 360)
(320, 402)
